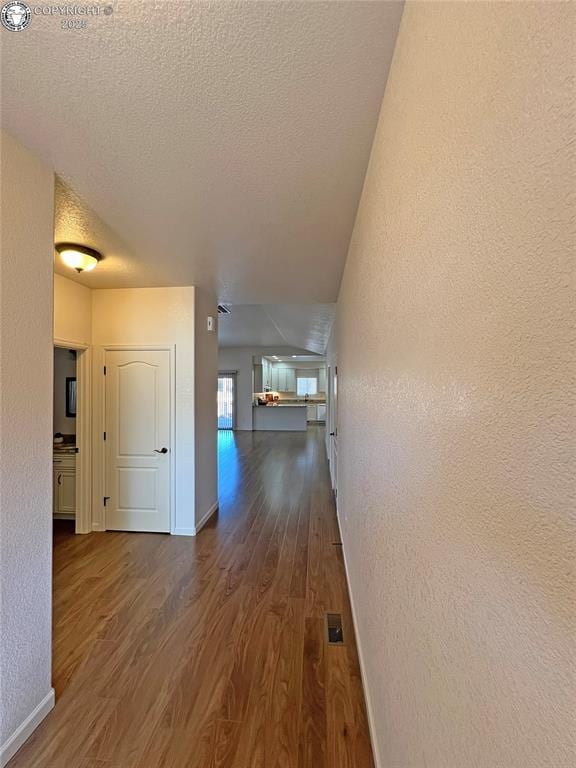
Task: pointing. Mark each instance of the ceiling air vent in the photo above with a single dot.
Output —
(223, 309)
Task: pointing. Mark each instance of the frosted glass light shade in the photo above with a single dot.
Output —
(78, 257)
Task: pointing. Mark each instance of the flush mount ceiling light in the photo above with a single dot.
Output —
(78, 257)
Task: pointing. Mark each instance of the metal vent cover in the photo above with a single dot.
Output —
(223, 309)
(334, 629)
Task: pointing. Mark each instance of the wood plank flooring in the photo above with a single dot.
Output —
(210, 652)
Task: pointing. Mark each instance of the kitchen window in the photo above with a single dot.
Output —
(306, 386)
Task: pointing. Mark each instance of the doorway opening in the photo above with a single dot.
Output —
(227, 400)
(71, 495)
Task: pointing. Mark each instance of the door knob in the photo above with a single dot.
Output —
(331, 434)
(162, 450)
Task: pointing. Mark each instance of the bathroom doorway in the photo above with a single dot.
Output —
(71, 494)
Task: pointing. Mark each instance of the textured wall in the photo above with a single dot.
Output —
(456, 438)
(206, 386)
(72, 311)
(26, 434)
(160, 316)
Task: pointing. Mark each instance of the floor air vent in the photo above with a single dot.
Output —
(334, 629)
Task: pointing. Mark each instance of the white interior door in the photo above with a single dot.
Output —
(138, 440)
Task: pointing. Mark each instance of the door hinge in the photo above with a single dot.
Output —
(106, 498)
(104, 370)
(104, 435)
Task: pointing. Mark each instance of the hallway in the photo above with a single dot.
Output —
(177, 652)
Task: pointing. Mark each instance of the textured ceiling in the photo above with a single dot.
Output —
(305, 326)
(75, 222)
(225, 143)
(248, 326)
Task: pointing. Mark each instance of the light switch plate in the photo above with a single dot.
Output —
(210, 323)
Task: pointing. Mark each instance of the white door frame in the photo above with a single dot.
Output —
(83, 433)
(99, 417)
(234, 376)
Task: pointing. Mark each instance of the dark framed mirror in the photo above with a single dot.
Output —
(71, 396)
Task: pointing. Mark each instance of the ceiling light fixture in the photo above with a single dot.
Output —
(78, 257)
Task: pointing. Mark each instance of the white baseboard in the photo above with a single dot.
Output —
(371, 720)
(25, 729)
(183, 532)
(206, 517)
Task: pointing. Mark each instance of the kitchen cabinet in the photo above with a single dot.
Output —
(280, 379)
(262, 375)
(311, 413)
(283, 379)
(265, 374)
(321, 412)
(258, 385)
(64, 485)
(290, 380)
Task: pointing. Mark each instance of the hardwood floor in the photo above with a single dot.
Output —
(210, 652)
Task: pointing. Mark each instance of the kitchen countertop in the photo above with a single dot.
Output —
(281, 405)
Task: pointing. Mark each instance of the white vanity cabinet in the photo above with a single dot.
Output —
(64, 485)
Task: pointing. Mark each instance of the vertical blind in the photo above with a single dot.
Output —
(225, 402)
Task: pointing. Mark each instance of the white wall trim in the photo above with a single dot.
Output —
(84, 442)
(25, 729)
(183, 532)
(369, 710)
(66, 344)
(199, 526)
(201, 523)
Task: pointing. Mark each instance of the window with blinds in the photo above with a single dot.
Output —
(306, 382)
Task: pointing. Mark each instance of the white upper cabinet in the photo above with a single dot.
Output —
(283, 378)
(290, 380)
(266, 373)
